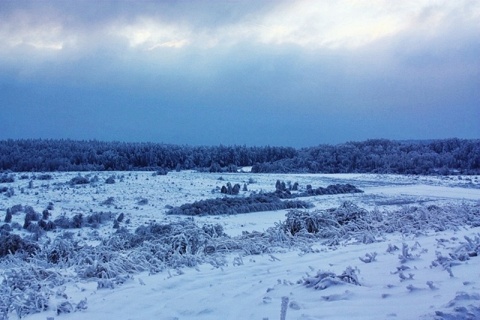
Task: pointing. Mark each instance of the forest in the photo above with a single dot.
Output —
(447, 156)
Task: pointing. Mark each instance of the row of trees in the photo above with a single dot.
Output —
(376, 156)
(70, 155)
(451, 156)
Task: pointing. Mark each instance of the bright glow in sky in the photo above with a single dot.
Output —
(297, 73)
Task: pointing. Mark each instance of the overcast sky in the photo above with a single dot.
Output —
(204, 72)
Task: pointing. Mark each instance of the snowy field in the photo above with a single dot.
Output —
(423, 273)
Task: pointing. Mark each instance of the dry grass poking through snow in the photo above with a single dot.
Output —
(31, 279)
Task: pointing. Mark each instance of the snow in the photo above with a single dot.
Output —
(254, 289)
(392, 286)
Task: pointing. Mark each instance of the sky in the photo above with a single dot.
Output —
(245, 72)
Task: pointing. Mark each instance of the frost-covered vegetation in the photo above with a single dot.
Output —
(283, 192)
(31, 267)
(227, 205)
(349, 221)
(258, 202)
(383, 156)
(451, 156)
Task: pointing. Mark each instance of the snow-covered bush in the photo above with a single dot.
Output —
(30, 215)
(13, 243)
(349, 213)
(62, 250)
(62, 221)
(231, 190)
(78, 180)
(332, 189)
(46, 225)
(8, 216)
(108, 202)
(27, 290)
(283, 192)
(421, 219)
(213, 230)
(44, 176)
(110, 180)
(346, 221)
(77, 221)
(120, 217)
(16, 208)
(161, 172)
(230, 205)
(310, 222)
(7, 178)
(93, 220)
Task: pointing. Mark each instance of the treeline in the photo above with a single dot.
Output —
(69, 155)
(449, 156)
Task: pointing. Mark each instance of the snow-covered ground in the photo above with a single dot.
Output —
(400, 276)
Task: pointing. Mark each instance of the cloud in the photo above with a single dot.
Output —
(196, 39)
(276, 66)
(21, 30)
(328, 24)
(316, 25)
(210, 43)
(149, 34)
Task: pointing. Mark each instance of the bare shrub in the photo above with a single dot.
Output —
(110, 180)
(78, 180)
(13, 243)
(7, 178)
